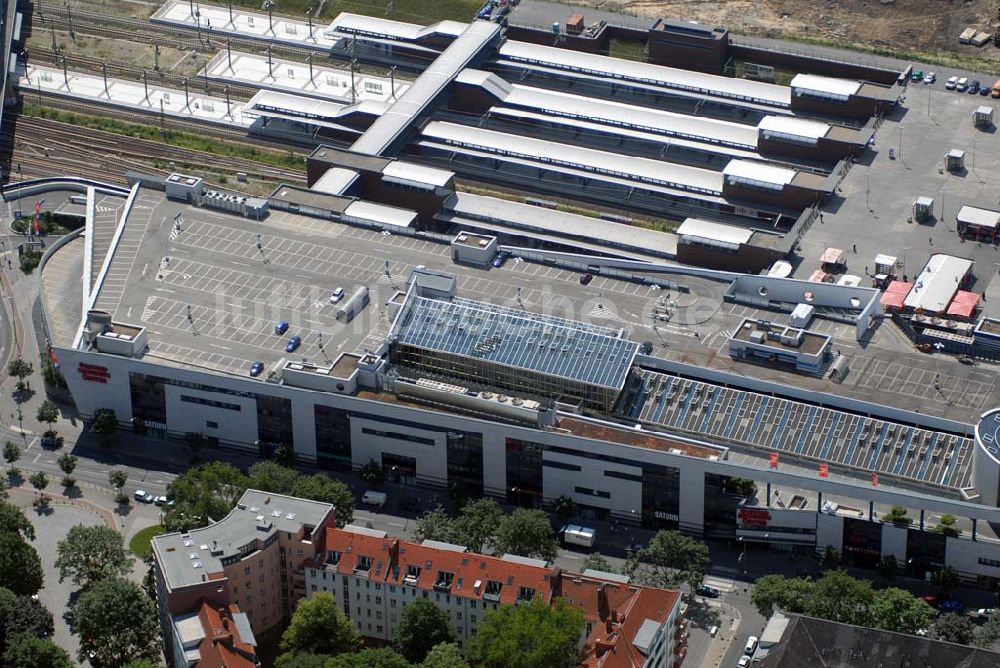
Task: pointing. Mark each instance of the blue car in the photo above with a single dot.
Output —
(256, 368)
(281, 327)
(293, 344)
(500, 259)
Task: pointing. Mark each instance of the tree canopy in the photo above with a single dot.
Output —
(528, 636)
(25, 649)
(669, 559)
(382, 657)
(839, 597)
(952, 627)
(13, 520)
(319, 626)
(597, 561)
(445, 655)
(89, 554)
(116, 622)
(20, 567)
(422, 625)
(321, 487)
(22, 614)
(206, 492)
(527, 533)
(477, 522)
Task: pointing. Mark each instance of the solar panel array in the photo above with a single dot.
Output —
(822, 434)
(567, 349)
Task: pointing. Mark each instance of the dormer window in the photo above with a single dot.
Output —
(492, 591)
(444, 580)
(363, 565)
(525, 594)
(332, 557)
(412, 575)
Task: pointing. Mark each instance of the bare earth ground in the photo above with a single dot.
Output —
(912, 25)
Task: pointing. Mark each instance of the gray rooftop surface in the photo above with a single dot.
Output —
(186, 558)
(509, 337)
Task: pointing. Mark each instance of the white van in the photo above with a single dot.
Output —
(577, 535)
(371, 498)
(751, 646)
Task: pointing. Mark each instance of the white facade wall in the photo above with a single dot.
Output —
(186, 416)
(829, 531)
(564, 482)
(432, 460)
(974, 557)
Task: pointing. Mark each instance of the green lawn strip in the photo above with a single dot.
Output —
(141, 543)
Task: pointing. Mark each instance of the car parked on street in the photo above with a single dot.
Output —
(930, 78)
(143, 496)
(705, 590)
(951, 83)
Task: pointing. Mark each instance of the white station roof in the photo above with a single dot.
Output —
(755, 171)
(971, 215)
(380, 213)
(335, 181)
(401, 170)
(797, 127)
(828, 85)
(937, 283)
(713, 233)
(379, 27)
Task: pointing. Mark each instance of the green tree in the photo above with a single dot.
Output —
(270, 476)
(669, 559)
(776, 592)
(527, 533)
(897, 610)
(840, 598)
(67, 464)
(597, 562)
(323, 488)
(952, 627)
(22, 614)
(564, 508)
(11, 453)
(143, 663)
(435, 524)
(20, 567)
(897, 515)
(284, 455)
(947, 526)
(319, 626)
(528, 636)
(947, 579)
(887, 567)
(987, 635)
(740, 486)
(117, 623)
(207, 491)
(39, 480)
(104, 422)
(444, 655)
(830, 558)
(372, 473)
(13, 520)
(20, 369)
(301, 660)
(25, 649)
(89, 554)
(382, 657)
(118, 478)
(47, 412)
(422, 625)
(476, 523)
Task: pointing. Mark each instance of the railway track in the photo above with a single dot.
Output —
(99, 144)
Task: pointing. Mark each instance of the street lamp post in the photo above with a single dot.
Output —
(269, 5)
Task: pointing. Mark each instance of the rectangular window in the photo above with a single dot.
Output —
(373, 87)
(560, 465)
(211, 402)
(623, 476)
(211, 425)
(593, 492)
(397, 436)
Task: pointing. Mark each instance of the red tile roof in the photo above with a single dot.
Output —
(615, 612)
(352, 546)
(222, 646)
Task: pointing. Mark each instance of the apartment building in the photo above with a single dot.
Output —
(249, 562)
(374, 576)
(214, 637)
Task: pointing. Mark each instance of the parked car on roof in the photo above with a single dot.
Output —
(281, 327)
(293, 344)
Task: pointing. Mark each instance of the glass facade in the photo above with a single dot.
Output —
(862, 543)
(524, 473)
(465, 462)
(925, 552)
(149, 401)
(399, 468)
(661, 496)
(274, 421)
(333, 438)
(720, 507)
